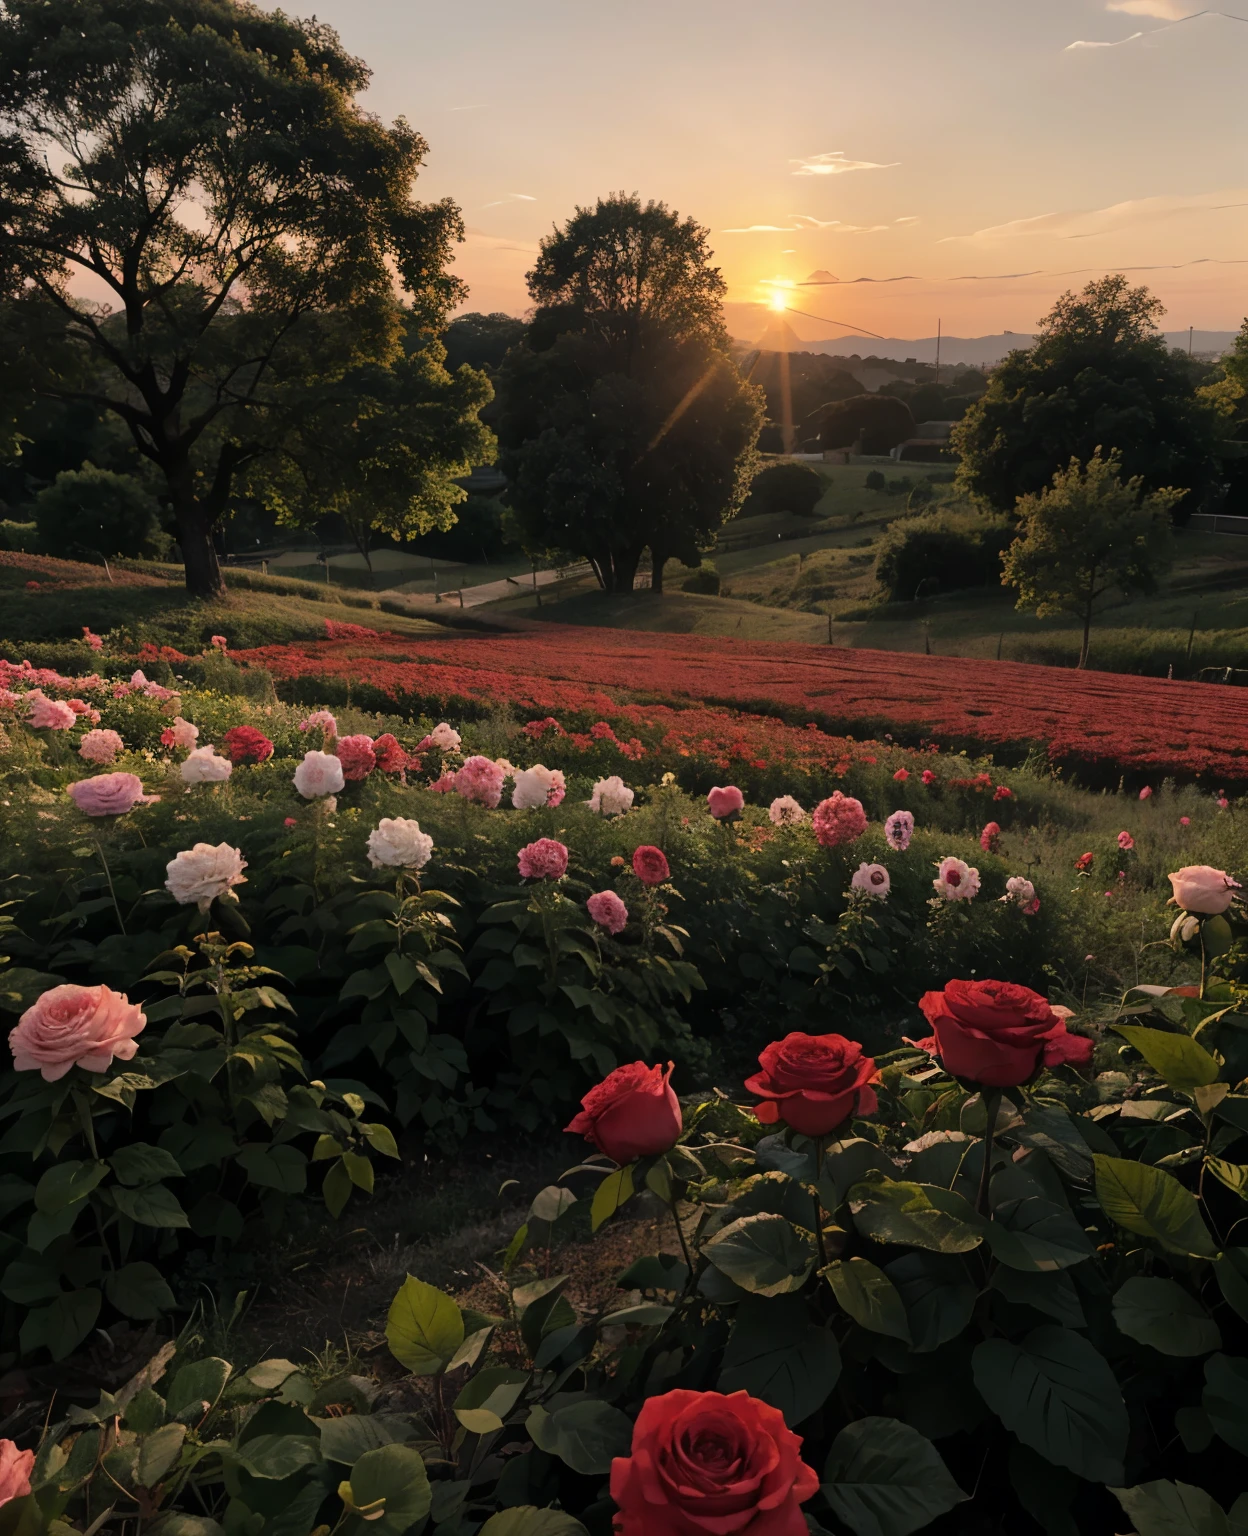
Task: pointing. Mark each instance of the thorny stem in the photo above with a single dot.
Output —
(992, 1107)
(819, 1238)
(108, 875)
(680, 1234)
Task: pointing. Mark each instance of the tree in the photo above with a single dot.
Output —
(481, 341)
(98, 512)
(1086, 534)
(382, 448)
(207, 165)
(1099, 374)
(792, 488)
(624, 422)
(879, 421)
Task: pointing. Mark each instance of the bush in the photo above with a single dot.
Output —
(792, 488)
(940, 551)
(704, 579)
(875, 480)
(98, 512)
(879, 421)
(23, 538)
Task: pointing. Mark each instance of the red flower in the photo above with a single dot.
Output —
(990, 837)
(998, 1033)
(838, 819)
(1003, 792)
(356, 755)
(1084, 862)
(901, 775)
(632, 1113)
(391, 758)
(929, 778)
(650, 865)
(813, 1082)
(706, 1464)
(245, 744)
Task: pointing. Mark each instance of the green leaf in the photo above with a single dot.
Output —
(66, 1184)
(585, 1436)
(614, 1191)
(380, 1138)
(346, 1438)
(1233, 1175)
(396, 1475)
(777, 1354)
(139, 1290)
(869, 1296)
(158, 1452)
(275, 1167)
(1152, 1203)
(1225, 1398)
(153, 1206)
(142, 1164)
(765, 1254)
(1036, 1235)
(1160, 1312)
(916, 1215)
(527, 1520)
(1231, 1269)
(424, 1327)
(1059, 1396)
(275, 1457)
(1053, 1294)
(488, 1398)
(938, 1295)
(1172, 1509)
(884, 1478)
(63, 1325)
(196, 1388)
(1183, 1062)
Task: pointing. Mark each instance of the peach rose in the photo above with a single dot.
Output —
(203, 872)
(320, 773)
(15, 1470)
(71, 1026)
(1199, 888)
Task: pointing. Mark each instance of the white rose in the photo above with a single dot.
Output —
(200, 873)
(533, 788)
(203, 766)
(786, 812)
(320, 773)
(611, 797)
(398, 843)
(872, 880)
(445, 737)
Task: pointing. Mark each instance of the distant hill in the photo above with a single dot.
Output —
(973, 350)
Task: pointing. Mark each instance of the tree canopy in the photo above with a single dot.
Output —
(206, 166)
(880, 421)
(624, 422)
(1088, 533)
(1098, 375)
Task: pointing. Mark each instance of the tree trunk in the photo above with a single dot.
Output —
(1087, 637)
(624, 569)
(199, 557)
(657, 562)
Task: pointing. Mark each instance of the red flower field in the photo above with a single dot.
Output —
(1084, 719)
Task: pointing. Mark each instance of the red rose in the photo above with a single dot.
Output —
(706, 1464)
(632, 1113)
(391, 758)
(650, 865)
(245, 744)
(998, 1033)
(813, 1082)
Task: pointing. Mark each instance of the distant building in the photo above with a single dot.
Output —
(929, 445)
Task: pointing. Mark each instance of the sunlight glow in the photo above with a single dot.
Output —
(778, 302)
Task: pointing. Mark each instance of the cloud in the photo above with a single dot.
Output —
(1173, 13)
(912, 218)
(476, 106)
(1083, 43)
(512, 197)
(1165, 10)
(1087, 224)
(805, 221)
(833, 162)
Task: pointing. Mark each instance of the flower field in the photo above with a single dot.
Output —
(1099, 722)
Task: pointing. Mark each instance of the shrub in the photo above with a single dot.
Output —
(704, 579)
(792, 488)
(880, 421)
(875, 480)
(940, 551)
(22, 537)
(97, 511)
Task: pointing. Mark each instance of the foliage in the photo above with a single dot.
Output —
(939, 552)
(481, 341)
(1088, 534)
(880, 422)
(1098, 377)
(792, 488)
(250, 255)
(623, 420)
(95, 511)
(704, 579)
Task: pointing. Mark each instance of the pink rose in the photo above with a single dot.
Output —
(546, 859)
(608, 911)
(838, 819)
(480, 780)
(15, 1470)
(898, 830)
(956, 880)
(901, 775)
(1198, 888)
(100, 746)
(109, 794)
(1146, 793)
(724, 803)
(872, 880)
(71, 1026)
(357, 757)
(929, 778)
(990, 837)
(1126, 842)
(1185, 821)
(48, 714)
(320, 773)
(650, 865)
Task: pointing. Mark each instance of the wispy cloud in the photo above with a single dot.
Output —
(1087, 224)
(1173, 13)
(911, 218)
(834, 162)
(476, 106)
(512, 197)
(805, 221)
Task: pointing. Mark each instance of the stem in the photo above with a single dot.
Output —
(992, 1107)
(1203, 962)
(680, 1234)
(823, 1250)
(108, 875)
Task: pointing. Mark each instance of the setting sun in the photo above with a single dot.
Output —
(778, 301)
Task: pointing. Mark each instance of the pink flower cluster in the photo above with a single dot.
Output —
(481, 781)
(546, 859)
(608, 911)
(357, 757)
(838, 819)
(990, 838)
(725, 803)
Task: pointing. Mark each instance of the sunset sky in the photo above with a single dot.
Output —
(932, 140)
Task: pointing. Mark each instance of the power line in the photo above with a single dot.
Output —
(828, 320)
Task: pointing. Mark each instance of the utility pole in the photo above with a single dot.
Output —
(938, 351)
(1191, 331)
